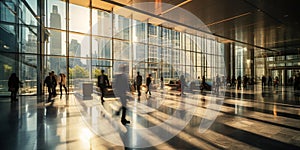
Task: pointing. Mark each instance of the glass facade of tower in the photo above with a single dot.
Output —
(80, 40)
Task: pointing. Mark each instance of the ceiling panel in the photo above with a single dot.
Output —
(270, 24)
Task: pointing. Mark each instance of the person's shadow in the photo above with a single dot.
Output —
(13, 116)
(51, 111)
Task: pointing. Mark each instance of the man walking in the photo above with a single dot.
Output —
(139, 80)
(102, 84)
(148, 82)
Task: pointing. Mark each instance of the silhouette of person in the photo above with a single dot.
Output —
(13, 86)
(102, 84)
(161, 82)
(148, 83)
(203, 84)
(139, 80)
(121, 89)
(263, 81)
(49, 82)
(276, 81)
(218, 83)
(182, 84)
(239, 80)
(269, 81)
(54, 79)
(62, 83)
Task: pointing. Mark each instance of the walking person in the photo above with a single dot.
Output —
(239, 81)
(54, 82)
(13, 86)
(182, 85)
(218, 83)
(148, 83)
(263, 81)
(121, 89)
(203, 84)
(139, 80)
(161, 82)
(233, 81)
(270, 81)
(49, 82)
(276, 81)
(103, 82)
(62, 83)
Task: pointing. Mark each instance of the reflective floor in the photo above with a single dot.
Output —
(261, 118)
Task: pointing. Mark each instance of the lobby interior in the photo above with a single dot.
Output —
(169, 39)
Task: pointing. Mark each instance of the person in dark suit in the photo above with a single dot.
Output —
(103, 82)
(50, 83)
(13, 86)
(54, 83)
(148, 82)
(139, 80)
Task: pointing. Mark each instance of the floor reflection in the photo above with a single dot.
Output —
(247, 119)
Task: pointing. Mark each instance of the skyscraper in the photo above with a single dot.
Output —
(75, 50)
(55, 22)
(55, 39)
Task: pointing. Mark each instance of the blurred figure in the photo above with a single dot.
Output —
(148, 83)
(62, 83)
(276, 81)
(245, 81)
(239, 81)
(121, 89)
(218, 83)
(139, 80)
(269, 81)
(13, 87)
(102, 84)
(49, 82)
(54, 78)
(233, 81)
(203, 84)
(263, 81)
(182, 84)
(161, 82)
(297, 83)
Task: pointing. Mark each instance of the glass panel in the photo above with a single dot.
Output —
(8, 65)
(27, 17)
(28, 74)
(154, 34)
(56, 46)
(79, 74)
(102, 52)
(176, 39)
(33, 5)
(121, 27)
(56, 14)
(102, 23)
(139, 32)
(121, 50)
(79, 19)
(79, 45)
(28, 41)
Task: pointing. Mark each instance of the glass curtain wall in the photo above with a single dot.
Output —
(112, 39)
(82, 40)
(18, 44)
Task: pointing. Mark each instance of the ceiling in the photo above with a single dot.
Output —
(270, 25)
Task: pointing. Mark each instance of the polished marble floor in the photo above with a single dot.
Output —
(261, 118)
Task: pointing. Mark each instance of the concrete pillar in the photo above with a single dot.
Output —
(232, 54)
(227, 59)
